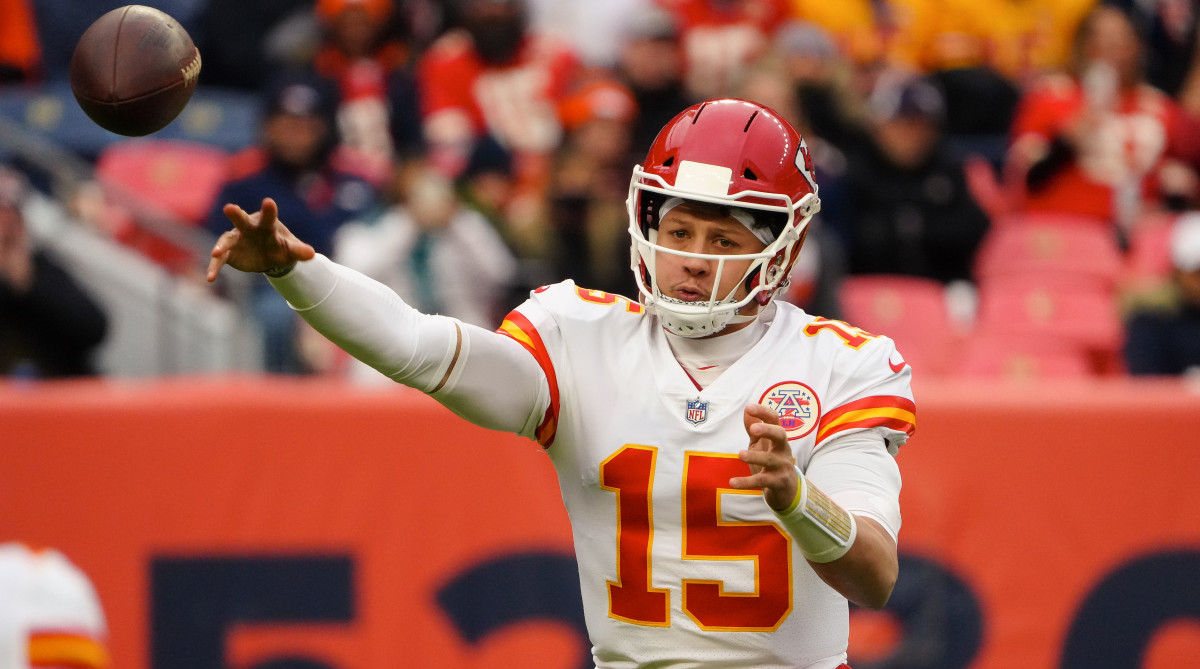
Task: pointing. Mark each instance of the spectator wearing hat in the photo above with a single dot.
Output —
(651, 65)
(588, 186)
(853, 26)
(49, 325)
(1164, 338)
(824, 80)
(295, 164)
(907, 206)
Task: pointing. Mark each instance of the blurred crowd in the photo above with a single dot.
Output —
(1009, 187)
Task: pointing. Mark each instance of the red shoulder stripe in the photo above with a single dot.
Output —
(519, 328)
(891, 411)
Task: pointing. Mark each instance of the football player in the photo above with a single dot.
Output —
(727, 460)
(49, 613)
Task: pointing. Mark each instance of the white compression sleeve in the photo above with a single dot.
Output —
(851, 475)
(856, 471)
(483, 376)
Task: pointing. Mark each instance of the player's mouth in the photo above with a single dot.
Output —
(689, 294)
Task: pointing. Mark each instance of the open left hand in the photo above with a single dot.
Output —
(257, 242)
(772, 466)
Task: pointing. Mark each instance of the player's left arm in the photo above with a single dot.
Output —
(860, 476)
(853, 552)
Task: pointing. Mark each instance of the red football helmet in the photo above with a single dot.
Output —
(734, 153)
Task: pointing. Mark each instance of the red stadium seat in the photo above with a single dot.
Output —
(1053, 308)
(1067, 248)
(176, 177)
(1021, 357)
(162, 189)
(910, 310)
(1018, 218)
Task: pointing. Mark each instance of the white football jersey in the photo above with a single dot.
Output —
(49, 612)
(677, 569)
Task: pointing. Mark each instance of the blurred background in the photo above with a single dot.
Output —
(1010, 191)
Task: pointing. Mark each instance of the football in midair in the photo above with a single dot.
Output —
(134, 69)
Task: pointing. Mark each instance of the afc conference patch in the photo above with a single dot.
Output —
(697, 411)
(798, 407)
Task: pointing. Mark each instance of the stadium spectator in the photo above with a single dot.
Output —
(50, 615)
(594, 29)
(493, 76)
(49, 325)
(825, 83)
(487, 183)
(430, 249)
(818, 272)
(1169, 31)
(720, 37)
(1163, 338)
(1094, 140)
(855, 28)
(244, 43)
(378, 113)
(907, 206)
(588, 186)
(437, 254)
(651, 65)
(678, 431)
(296, 163)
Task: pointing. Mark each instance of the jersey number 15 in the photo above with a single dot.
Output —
(705, 535)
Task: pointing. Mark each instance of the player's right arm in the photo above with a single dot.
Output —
(485, 377)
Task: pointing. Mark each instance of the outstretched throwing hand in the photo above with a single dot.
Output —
(258, 242)
(772, 466)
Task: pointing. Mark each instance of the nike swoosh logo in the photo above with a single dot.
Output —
(897, 368)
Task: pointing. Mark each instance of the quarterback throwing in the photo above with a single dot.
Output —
(726, 459)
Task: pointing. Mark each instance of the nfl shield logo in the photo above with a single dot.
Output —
(697, 411)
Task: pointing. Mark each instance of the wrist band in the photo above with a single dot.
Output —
(276, 272)
(824, 530)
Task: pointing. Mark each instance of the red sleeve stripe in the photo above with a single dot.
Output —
(897, 413)
(520, 329)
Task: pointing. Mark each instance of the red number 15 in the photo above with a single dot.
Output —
(706, 536)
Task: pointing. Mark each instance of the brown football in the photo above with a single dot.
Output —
(134, 70)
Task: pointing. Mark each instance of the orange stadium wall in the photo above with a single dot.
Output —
(261, 524)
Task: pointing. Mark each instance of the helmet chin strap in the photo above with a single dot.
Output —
(701, 324)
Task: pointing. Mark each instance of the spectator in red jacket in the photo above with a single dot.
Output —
(493, 76)
(363, 50)
(1094, 141)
